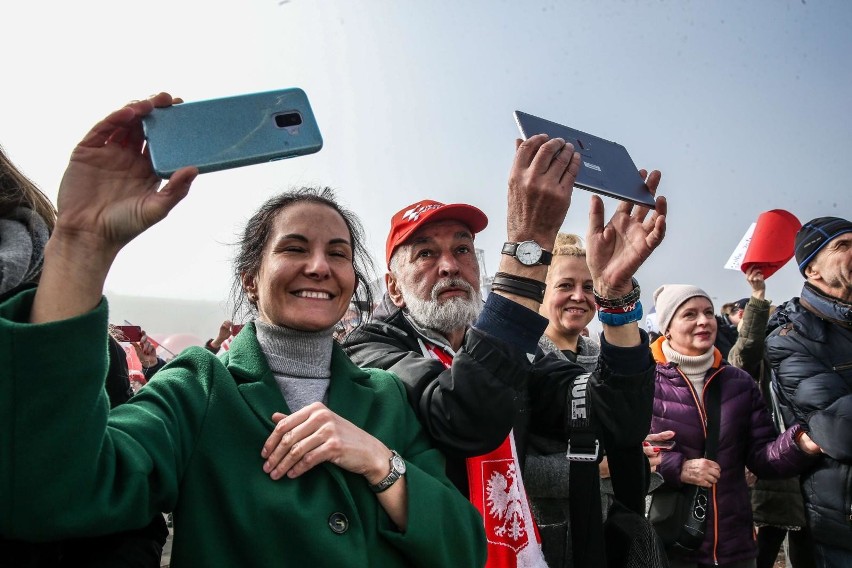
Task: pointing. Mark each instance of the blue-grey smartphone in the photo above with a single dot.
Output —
(231, 132)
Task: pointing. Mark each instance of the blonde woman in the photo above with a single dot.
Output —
(569, 305)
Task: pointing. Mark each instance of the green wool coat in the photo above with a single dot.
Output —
(190, 442)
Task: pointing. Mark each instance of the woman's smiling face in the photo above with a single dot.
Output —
(692, 330)
(569, 302)
(306, 277)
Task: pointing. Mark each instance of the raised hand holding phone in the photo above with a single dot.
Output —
(231, 132)
(109, 195)
(605, 168)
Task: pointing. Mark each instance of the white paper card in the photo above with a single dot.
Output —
(737, 256)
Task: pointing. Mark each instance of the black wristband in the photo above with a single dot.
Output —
(611, 303)
(520, 286)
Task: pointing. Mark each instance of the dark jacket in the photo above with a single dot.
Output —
(774, 502)
(468, 409)
(726, 335)
(620, 407)
(812, 358)
(747, 438)
(621, 416)
(547, 473)
(491, 388)
(118, 377)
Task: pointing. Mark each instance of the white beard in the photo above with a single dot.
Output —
(447, 315)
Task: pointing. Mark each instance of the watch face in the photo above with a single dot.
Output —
(528, 253)
(398, 464)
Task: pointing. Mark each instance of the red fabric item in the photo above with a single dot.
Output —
(411, 218)
(771, 244)
(497, 491)
(133, 362)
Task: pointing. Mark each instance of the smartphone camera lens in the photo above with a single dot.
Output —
(288, 119)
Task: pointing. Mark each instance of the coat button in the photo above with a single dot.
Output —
(338, 523)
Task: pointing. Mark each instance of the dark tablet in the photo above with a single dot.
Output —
(605, 167)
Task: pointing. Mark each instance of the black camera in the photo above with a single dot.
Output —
(287, 119)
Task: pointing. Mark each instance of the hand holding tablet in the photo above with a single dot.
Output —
(606, 167)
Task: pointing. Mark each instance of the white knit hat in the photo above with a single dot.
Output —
(669, 297)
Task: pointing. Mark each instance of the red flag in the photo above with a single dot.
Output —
(772, 243)
(497, 491)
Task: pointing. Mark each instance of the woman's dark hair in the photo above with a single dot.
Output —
(257, 233)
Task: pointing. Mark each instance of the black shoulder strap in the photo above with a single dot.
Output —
(585, 516)
(584, 503)
(713, 408)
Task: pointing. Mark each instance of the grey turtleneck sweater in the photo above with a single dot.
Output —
(300, 362)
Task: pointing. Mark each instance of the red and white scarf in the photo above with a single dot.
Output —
(497, 491)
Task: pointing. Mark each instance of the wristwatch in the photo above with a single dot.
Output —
(528, 253)
(397, 465)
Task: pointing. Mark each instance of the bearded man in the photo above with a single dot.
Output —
(466, 364)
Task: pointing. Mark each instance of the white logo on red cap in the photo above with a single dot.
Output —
(414, 213)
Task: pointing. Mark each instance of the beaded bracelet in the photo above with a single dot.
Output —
(612, 303)
(615, 319)
(619, 310)
(519, 286)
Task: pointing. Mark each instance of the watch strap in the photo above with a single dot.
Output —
(391, 478)
(509, 248)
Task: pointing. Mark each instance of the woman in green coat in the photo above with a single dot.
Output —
(281, 453)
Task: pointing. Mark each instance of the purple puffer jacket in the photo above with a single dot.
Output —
(747, 438)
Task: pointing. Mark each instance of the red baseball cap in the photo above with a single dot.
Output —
(410, 218)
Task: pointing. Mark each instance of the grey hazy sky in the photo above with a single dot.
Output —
(744, 107)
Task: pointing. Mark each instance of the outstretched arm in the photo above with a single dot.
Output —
(748, 351)
(615, 251)
(108, 196)
(541, 183)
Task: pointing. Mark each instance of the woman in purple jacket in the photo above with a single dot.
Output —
(687, 362)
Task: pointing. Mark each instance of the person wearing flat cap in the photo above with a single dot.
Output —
(810, 350)
(689, 368)
(733, 313)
